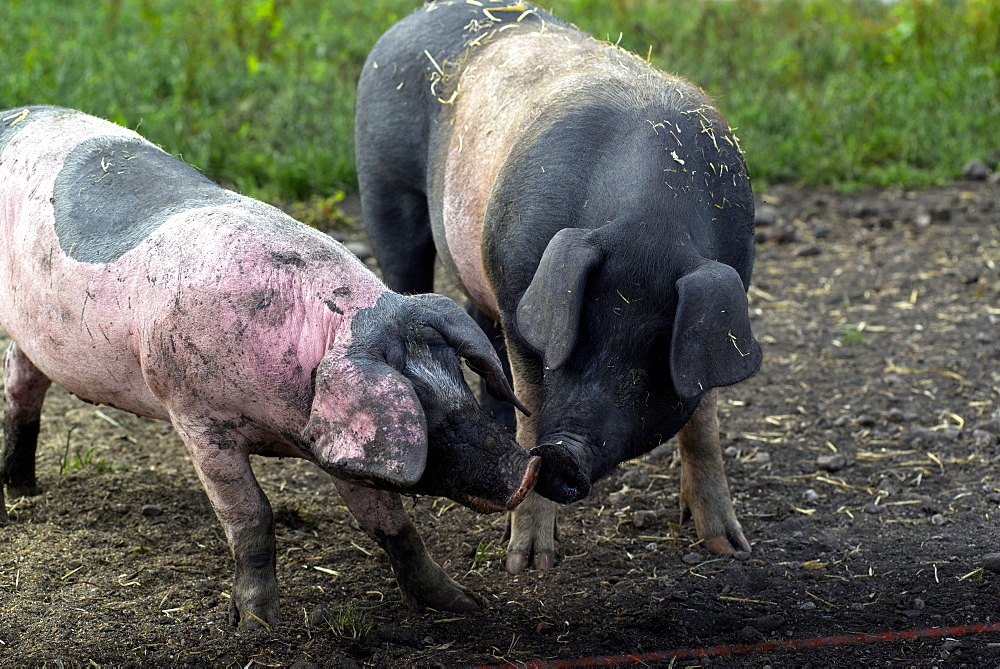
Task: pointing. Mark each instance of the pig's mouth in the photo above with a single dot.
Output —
(484, 505)
(562, 479)
(527, 483)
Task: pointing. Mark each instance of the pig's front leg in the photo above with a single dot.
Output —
(704, 490)
(24, 391)
(532, 525)
(421, 580)
(222, 460)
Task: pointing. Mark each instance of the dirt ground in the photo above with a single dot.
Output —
(861, 459)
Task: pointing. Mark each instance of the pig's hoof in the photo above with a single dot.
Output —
(446, 596)
(517, 561)
(716, 523)
(724, 540)
(532, 533)
(722, 546)
(461, 602)
(246, 619)
(15, 490)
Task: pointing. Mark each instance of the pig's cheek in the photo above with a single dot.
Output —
(441, 463)
(465, 460)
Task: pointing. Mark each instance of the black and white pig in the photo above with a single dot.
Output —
(595, 208)
(131, 280)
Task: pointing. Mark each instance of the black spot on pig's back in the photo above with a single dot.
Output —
(113, 192)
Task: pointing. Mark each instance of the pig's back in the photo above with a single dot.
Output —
(522, 80)
(118, 258)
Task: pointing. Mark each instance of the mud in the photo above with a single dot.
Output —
(861, 458)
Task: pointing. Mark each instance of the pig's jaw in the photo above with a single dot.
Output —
(476, 463)
(485, 506)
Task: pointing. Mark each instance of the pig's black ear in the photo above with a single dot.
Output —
(462, 333)
(712, 344)
(548, 315)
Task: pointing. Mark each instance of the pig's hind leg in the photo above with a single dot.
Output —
(24, 391)
(704, 489)
(399, 230)
(422, 582)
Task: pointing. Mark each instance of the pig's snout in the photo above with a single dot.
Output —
(561, 478)
(527, 483)
(488, 505)
(475, 462)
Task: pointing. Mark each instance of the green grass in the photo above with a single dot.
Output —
(351, 621)
(488, 554)
(81, 459)
(259, 93)
(851, 337)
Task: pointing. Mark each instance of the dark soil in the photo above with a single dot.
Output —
(861, 459)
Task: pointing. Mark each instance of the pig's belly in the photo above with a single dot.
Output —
(98, 374)
(77, 333)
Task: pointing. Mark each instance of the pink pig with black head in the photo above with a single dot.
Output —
(131, 280)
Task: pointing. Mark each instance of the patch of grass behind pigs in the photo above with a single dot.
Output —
(488, 555)
(260, 95)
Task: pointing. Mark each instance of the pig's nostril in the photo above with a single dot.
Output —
(560, 478)
(527, 483)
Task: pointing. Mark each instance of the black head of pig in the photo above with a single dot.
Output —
(391, 409)
(629, 346)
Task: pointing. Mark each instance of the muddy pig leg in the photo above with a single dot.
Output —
(704, 490)
(24, 391)
(421, 581)
(531, 527)
(221, 458)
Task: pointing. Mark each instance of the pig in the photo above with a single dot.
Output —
(131, 280)
(598, 215)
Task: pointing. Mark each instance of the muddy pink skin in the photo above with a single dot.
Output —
(216, 312)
